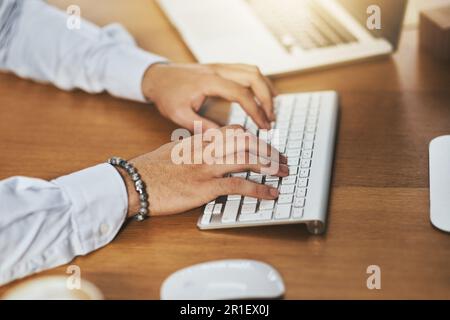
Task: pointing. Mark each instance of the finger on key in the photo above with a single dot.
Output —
(273, 169)
(238, 140)
(245, 188)
(233, 91)
(250, 76)
(251, 68)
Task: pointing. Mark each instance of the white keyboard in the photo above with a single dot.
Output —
(306, 126)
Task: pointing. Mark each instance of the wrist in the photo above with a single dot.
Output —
(150, 80)
(133, 197)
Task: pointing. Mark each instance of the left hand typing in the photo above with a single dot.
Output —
(179, 90)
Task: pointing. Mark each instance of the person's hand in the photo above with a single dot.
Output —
(175, 188)
(179, 90)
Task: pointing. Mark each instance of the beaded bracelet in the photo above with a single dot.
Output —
(139, 185)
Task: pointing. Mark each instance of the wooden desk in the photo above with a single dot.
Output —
(379, 207)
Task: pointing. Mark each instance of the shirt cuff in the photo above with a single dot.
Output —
(125, 70)
(99, 205)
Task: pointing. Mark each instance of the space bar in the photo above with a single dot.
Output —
(230, 212)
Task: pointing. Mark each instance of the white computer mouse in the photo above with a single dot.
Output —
(224, 279)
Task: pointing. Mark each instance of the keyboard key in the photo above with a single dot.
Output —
(206, 218)
(299, 114)
(256, 179)
(283, 211)
(250, 123)
(236, 110)
(272, 132)
(293, 153)
(297, 129)
(242, 175)
(304, 173)
(233, 197)
(315, 100)
(281, 140)
(289, 180)
(308, 145)
(282, 124)
(297, 213)
(260, 216)
(287, 189)
(272, 178)
(298, 124)
(282, 132)
(209, 208)
(305, 163)
(293, 161)
(230, 212)
(253, 130)
(295, 140)
(312, 119)
(303, 100)
(299, 202)
(309, 136)
(250, 200)
(273, 184)
(310, 128)
(300, 111)
(296, 144)
(248, 208)
(293, 170)
(217, 208)
(301, 192)
(266, 204)
(295, 136)
(264, 135)
(285, 198)
(307, 154)
(303, 182)
(240, 120)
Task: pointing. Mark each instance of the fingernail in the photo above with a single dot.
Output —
(272, 117)
(274, 192)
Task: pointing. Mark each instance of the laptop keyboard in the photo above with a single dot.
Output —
(301, 24)
(298, 116)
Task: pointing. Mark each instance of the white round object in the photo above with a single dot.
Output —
(224, 279)
(53, 288)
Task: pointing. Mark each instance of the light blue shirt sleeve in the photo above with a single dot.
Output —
(46, 224)
(36, 43)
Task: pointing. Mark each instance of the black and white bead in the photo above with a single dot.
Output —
(139, 185)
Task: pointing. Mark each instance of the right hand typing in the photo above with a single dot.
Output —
(175, 188)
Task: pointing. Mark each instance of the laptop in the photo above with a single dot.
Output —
(284, 36)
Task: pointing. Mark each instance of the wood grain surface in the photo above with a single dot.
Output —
(379, 203)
